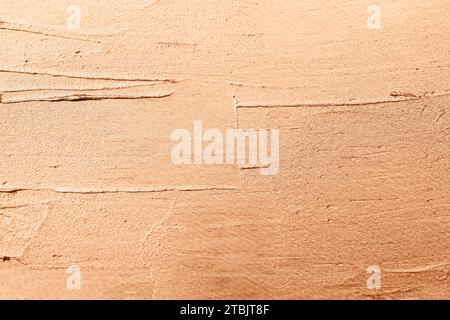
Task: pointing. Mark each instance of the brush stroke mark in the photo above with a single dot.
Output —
(143, 190)
(29, 29)
(56, 75)
(85, 97)
(402, 98)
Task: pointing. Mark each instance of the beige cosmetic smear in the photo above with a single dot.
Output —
(92, 92)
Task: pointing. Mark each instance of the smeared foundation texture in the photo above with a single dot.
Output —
(86, 176)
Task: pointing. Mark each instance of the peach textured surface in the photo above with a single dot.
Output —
(86, 176)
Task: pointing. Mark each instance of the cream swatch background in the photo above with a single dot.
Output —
(86, 176)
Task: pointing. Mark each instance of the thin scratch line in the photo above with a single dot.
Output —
(340, 104)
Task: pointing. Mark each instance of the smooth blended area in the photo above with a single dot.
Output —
(86, 176)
